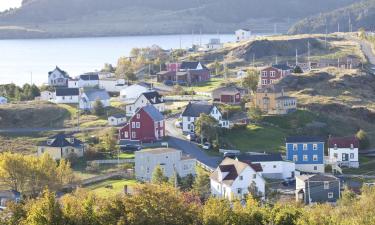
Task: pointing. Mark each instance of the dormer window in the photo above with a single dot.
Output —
(335, 146)
(351, 146)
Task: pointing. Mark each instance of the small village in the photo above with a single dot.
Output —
(180, 116)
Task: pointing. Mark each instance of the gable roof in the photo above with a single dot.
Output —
(318, 177)
(153, 113)
(118, 115)
(61, 140)
(67, 91)
(94, 94)
(229, 90)
(64, 73)
(303, 139)
(233, 167)
(196, 109)
(343, 142)
(153, 97)
(260, 158)
(191, 65)
(282, 67)
(89, 76)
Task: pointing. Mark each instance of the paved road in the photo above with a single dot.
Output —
(44, 129)
(177, 140)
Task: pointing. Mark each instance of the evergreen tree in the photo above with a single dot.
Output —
(98, 108)
(158, 176)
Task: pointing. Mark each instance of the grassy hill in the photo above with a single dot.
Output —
(360, 14)
(56, 18)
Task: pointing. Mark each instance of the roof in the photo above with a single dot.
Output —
(60, 70)
(61, 140)
(153, 113)
(230, 166)
(95, 94)
(229, 90)
(196, 109)
(6, 193)
(303, 139)
(153, 97)
(118, 115)
(159, 150)
(270, 89)
(243, 29)
(318, 177)
(282, 67)
(285, 97)
(343, 142)
(191, 65)
(67, 92)
(89, 76)
(260, 158)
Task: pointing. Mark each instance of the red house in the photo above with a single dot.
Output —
(173, 67)
(228, 95)
(273, 74)
(185, 73)
(147, 125)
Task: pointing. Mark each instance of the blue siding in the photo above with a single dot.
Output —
(310, 152)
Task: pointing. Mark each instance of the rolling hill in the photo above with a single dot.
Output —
(361, 14)
(56, 18)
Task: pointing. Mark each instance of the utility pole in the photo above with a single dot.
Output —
(308, 52)
(254, 60)
(31, 78)
(200, 37)
(296, 56)
(275, 28)
(350, 23)
(180, 42)
(338, 27)
(325, 37)
(277, 60)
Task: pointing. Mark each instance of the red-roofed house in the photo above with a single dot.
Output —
(344, 151)
(147, 125)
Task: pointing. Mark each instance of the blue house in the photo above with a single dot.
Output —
(306, 152)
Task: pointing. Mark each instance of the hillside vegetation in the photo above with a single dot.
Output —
(360, 14)
(56, 18)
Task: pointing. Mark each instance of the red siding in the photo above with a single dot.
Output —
(267, 79)
(173, 67)
(230, 99)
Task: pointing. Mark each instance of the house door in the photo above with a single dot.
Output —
(345, 157)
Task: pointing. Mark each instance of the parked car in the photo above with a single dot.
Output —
(130, 147)
(168, 82)
(181, 83)
(230, 155)
(206, 146)
(191, 137)
(289, 181)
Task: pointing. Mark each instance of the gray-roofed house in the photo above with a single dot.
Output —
(90, 95)
(61, 146)
(117, 119)
(146, 98)
(233, 179)
(171, 161)
(58, 78)
(7, 196)
(66, 96)
(194, 110)
(273, 165)
(89, 80)
(317, 188)
(146, 125)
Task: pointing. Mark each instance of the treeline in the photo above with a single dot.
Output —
(15, 93)
(165, 205)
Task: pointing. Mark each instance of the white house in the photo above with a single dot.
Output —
(66, 96)
(170, 160)
(73, 83)
(241, 74)
(214, 44)
(3, 100)
(88, 80)
(344, 151)
(58, 78)
(61, 146)
(242, 35)
(194, 110)
(273, 166)
(112, 84)
(47, 96)
(117, 119)
(91, 95)
(147, 98)
(131, 93)
(233, 179)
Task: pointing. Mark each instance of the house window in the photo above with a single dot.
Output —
(305, 147)
(133, 124)
(138, 124)
(315, 147)
(305, 158)
(161, 124)
(330, 195)
(241, 177)
(264, 81)
(351, 146)
(272, 73)
(335, 155)
(161, 133)
(315, 157)
(335, 146)
(295, 147)
(134, 135)
(351, 155)
(138, 116)
(274, 166)
(295, 158)
(126, 134)
(239, 191)
(148, 169)
(254, 176)
(188, 118)
(326, 185)
(315, 168)
(264, 73)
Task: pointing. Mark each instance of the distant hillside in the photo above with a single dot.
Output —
(51, 18)
(361, 14)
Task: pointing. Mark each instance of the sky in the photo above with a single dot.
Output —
(6, 4)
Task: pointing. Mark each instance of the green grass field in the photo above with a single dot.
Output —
(117, 187)
(257, 138)
(366, 166)
(207, 86)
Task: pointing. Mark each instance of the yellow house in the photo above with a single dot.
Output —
(273, 101)
(61, 146)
